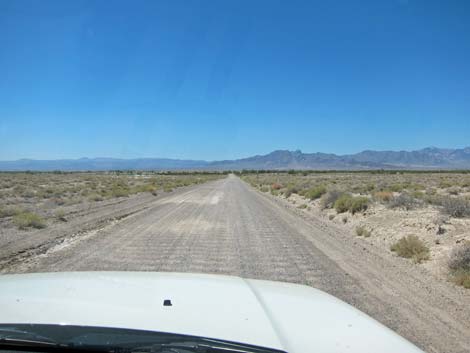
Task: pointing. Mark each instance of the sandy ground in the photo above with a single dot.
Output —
(227, 227)
(440, 233)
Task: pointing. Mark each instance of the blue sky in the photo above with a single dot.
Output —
(228, 79)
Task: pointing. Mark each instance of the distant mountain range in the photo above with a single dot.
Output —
(427, 158)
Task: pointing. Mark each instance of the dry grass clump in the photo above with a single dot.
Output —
(25, 220)
(459, 265)
(411, 247)
(315, 192)
(363, 232)
(9, 211)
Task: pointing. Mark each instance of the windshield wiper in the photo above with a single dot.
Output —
(39, 345)
(204, 346)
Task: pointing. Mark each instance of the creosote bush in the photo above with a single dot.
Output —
(350, 203)
(315, 192)
(411, 247)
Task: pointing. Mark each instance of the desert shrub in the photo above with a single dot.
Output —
(315, 192)
(95, 197)
(58, 201)
(276, 186)
(455, 207)
(418, 195)
(460, 258)
(403, 201)
(119, 192)
(328, 200)
(60, 215)
(411, 247)
(302, 206)
(397, 187)
(444, 184)
(291, 189)
(350, 203)
(383, 196)
(358, 204)
(345, 219)
(461, 278)
(363, 232)
(331, 217)
(28, 193)
(26, 220)
(264, 188)
(274, 192)
(342, 203)
(455, 190)
(9, 211)
(168, 188)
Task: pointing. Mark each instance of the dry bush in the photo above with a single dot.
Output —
(459, 265)
(26, 220)
(460, 257)
(291, 189)
(95, 197)
(276, 186)
(411, 247)
(403, 201)
(383, 196)
(455, 190)
(328, 200)
(455, 207)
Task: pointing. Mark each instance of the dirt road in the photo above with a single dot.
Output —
(227, 227)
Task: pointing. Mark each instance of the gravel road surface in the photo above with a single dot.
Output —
(227, 227)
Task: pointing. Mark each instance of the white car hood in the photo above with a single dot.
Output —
(277, 315)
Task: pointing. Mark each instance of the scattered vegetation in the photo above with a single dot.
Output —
(44, 194)
(25, 220)
(411, 247)
(459, 265)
